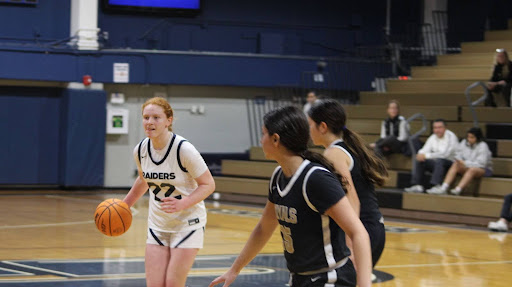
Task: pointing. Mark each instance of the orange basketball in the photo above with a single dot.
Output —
(113, 217)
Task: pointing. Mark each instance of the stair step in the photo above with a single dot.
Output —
(431, 85)
(452, 72)
(498, 35)
(487, 114)
(418, 98)
(260, 169)
(495, 186)
(467, 59)
(484, 47)
(453, 204)
(244, 186)
(504, 148)
(379, 112)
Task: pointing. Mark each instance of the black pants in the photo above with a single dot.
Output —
(377, 233)
(503, 90)
(505, 210)
(389, 145)
(438, 167)
(345, 277)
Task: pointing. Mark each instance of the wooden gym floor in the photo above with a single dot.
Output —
(49, 239)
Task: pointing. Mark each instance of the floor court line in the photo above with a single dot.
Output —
(133, 209)
(18, 272)
(45, 224)
(39, 269)
(444, 264)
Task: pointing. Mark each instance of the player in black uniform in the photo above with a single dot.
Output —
(355, 162)
(308, 203)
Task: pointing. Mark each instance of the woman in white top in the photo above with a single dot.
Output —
(178, 180)
(473, 160)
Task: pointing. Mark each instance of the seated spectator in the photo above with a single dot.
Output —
(472, 160)
(501, 80)
(505, 217)
(436, 156)
(311, 99)
(394, 132)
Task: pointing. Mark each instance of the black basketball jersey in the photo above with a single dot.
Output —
(311, 239)
(365, 189)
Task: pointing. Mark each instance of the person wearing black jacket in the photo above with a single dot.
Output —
(393, 132)
(501, 81)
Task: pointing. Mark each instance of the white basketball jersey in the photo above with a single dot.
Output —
(167, 177)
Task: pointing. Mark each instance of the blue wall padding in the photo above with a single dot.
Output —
(29, 124)
(82, 150)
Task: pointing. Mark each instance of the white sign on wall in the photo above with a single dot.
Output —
(121, 72)
(117, 121)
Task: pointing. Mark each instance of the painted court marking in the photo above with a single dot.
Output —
(133, 210)
(40, 269)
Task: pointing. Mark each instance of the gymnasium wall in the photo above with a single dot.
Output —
(30, 24)
(222, 129)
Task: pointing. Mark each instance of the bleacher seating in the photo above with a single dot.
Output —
(436, 92)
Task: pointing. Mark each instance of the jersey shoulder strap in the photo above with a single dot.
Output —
(305, 183)
(272, 178)
(139, 149)
(178, 156)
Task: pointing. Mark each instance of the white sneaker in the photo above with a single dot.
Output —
(455, 191)
(498, 226)
(436, 190)
(415, 189)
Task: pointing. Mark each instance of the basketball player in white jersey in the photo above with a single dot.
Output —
(178, 181)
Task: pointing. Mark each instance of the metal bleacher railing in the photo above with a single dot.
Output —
(415, 136)
(472, 104)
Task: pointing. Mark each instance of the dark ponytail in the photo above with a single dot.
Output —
(333, 115)
(372, 166)
(292, 126)
(320, 159)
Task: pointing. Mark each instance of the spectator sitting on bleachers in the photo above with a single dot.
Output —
(505, 217)
(436, 156)
(501, 80)
(472, 160)
(394, 132)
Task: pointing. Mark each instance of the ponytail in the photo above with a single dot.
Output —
(334, 116)
(320, 159)
(372, 166)
(291, 124)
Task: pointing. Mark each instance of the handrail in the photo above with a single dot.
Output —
(414, 136)
(478, 101)
(423, 128)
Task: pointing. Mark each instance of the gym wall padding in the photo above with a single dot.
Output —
(82, 149)
(29, 125)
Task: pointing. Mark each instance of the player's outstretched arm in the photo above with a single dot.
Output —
(259, 237)
(346, 218)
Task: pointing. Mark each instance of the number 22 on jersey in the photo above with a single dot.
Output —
(168, 189)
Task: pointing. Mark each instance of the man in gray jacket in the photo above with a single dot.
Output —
(435, 156)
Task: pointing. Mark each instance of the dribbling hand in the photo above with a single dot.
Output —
(172, 204)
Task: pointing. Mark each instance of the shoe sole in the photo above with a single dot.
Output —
(497, 230)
